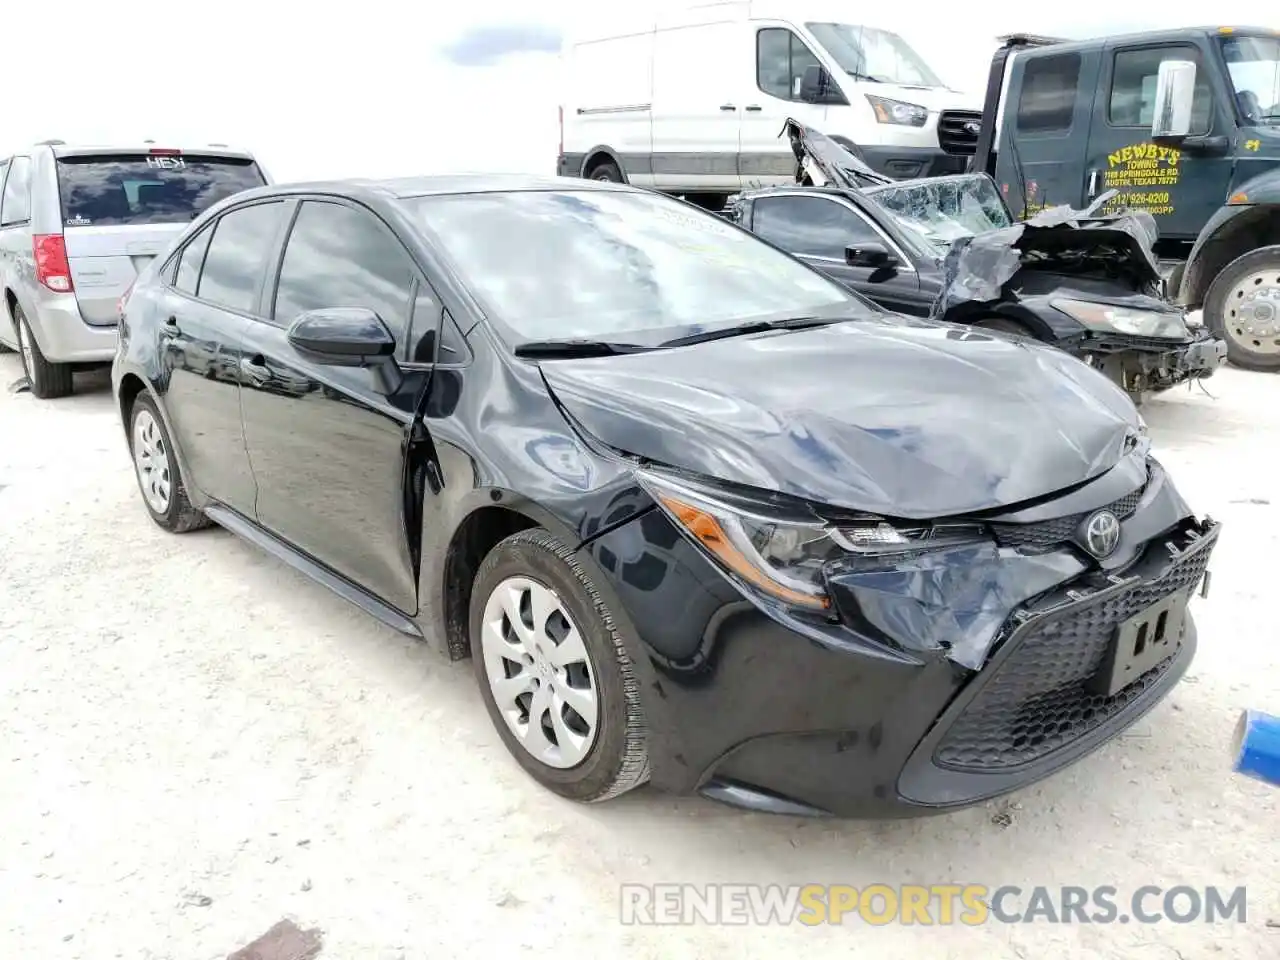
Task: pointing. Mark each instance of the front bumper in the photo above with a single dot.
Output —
(750, 706)
(1149, 363)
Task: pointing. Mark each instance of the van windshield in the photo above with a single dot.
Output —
(1254, 65)
(115, 189)
(866, 53)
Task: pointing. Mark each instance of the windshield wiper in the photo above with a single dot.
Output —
(569, 349)
(755, 326)
(862, 76)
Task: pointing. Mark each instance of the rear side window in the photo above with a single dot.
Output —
(189, 262)
(115, 189)
(1047, 101)
(16, 204)
(237, 255)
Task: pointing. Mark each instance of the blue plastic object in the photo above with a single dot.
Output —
(1256, 747)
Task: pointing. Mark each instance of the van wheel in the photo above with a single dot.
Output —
(48, 380)
(607, 172)
(1243, 308)
(553, 670)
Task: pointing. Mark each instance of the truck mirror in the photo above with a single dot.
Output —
(1175, 92)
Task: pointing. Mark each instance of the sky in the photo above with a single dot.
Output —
(389, 88)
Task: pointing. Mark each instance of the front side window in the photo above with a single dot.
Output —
(340, 256)
(603, 264)
(1132, 102)
(15, 207)
(866, 53)
(781, 61)
(238, 254)
(811, 226)
(1254, 66)
(117, 189)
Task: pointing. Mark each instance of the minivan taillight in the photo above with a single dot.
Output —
(52, 268)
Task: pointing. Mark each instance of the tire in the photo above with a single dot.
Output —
(1005, 325)
(606, 171)
(48, 381)
(594, 763)
(710, 202)
(147, 432)
(1224, 317)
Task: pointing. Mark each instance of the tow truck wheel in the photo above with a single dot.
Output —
(1243, 308)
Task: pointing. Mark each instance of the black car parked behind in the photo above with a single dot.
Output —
(697, 514)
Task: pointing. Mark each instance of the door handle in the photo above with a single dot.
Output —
(727, 106)
(753, 108)
(255, 368)
(1092, 187)
(170, 328)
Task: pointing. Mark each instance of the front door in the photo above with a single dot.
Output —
(1044, 133)
(1179, 187)
(327, 448)
(818, 228)
(204, 313)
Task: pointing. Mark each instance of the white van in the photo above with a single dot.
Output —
(693, 100)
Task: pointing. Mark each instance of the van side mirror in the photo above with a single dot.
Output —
(1175, 94)
(817, 86)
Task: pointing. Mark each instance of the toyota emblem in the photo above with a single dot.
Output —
(1102, 534)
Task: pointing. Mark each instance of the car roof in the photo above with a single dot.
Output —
(61, 149)
(403, 188)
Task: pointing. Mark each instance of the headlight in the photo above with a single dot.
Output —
(1112, 319)
(783, 552)
(895, 111)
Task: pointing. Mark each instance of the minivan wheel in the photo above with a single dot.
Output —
(554, 672)
(1243, 308)
(48, 381)
(159, 478)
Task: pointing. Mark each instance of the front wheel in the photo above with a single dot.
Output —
(554, 673)
(1243, 308)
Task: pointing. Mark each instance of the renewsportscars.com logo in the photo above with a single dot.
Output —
(926, 905)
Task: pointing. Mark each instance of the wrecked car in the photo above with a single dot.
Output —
(948, 248)
(605, 444)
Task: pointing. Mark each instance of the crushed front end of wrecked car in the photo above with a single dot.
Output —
(1086, 282)
(892, 601)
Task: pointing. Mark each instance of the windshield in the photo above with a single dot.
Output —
(617, 266)
(944, 210)
(866, 53)
(115, 189)
(1254, 65)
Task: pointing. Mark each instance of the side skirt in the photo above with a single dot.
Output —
(248, 530)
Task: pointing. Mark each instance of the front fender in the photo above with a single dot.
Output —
(1235, 229)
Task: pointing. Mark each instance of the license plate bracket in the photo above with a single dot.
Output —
(1139, 643)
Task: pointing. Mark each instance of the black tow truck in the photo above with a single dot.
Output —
(1183, 124)
(949, 248)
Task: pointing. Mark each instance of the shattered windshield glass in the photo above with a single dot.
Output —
(944, 209)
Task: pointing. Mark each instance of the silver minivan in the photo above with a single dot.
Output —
(77, 224)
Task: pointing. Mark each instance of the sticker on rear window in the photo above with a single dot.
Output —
(79, 222)
(167, 163)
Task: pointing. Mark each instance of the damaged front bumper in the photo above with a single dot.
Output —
(944, 679)
(1140, 364)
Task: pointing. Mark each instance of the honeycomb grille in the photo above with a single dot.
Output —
(1038, 699)
(1047, 533)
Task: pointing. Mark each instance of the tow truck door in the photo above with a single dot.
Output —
(1044, 131)
(1180, 188)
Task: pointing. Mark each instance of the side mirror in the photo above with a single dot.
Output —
(1175, 93)
(348, 337)
(817, 86)
(873, 255)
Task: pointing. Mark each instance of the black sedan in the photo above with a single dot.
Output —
(698, 514)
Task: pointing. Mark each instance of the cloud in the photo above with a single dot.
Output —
(487, 45)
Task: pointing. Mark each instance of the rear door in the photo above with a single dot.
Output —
(1041, 162)
(817, 228)
(119, 210)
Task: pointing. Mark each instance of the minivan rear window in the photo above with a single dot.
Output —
(115, 189)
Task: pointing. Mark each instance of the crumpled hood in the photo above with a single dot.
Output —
(900, 417)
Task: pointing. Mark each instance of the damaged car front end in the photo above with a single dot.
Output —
(1084, 282)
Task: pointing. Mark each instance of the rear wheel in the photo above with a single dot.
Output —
(48, 380)
(1004, 325)
(553, 670)
(607, 172)
(163, 491)
(1243, 307)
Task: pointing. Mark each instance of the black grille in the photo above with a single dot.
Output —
(1048, 533)
(1037, 698)
(953, 136)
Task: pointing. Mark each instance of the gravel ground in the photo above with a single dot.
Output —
(196, 742)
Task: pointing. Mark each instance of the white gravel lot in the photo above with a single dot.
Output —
(195, 742)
